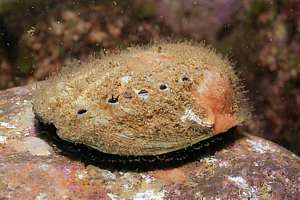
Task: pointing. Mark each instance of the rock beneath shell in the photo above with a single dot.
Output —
(244, 167)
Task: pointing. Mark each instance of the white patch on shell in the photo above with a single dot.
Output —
(190, 116)
(115, 105)
(81, 103)
(143, 96)
(41, 196)
(208, 78)
(149, 195)
(1, 111)
(7, 125)
(126, 110)
(112, 196)
(125, 80)
(2, 139)
(248, 192)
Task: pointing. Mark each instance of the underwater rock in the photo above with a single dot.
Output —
(242, 167)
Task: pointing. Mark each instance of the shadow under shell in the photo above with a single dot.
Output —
(90, 156)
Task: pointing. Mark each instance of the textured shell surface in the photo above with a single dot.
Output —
(143, 101)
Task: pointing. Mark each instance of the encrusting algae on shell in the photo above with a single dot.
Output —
(145, 100)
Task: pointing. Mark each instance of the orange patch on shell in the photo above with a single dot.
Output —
(147, 62)
(215, 95)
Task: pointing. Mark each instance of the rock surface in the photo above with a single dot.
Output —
(36, 164)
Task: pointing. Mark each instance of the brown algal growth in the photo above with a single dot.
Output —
(144, 101)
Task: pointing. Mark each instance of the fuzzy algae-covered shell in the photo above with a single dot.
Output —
(143, 101)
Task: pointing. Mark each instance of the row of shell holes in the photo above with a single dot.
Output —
(142, 93)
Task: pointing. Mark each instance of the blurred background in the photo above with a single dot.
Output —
(261, 37)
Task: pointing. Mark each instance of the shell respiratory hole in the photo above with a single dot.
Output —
(162, 100)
